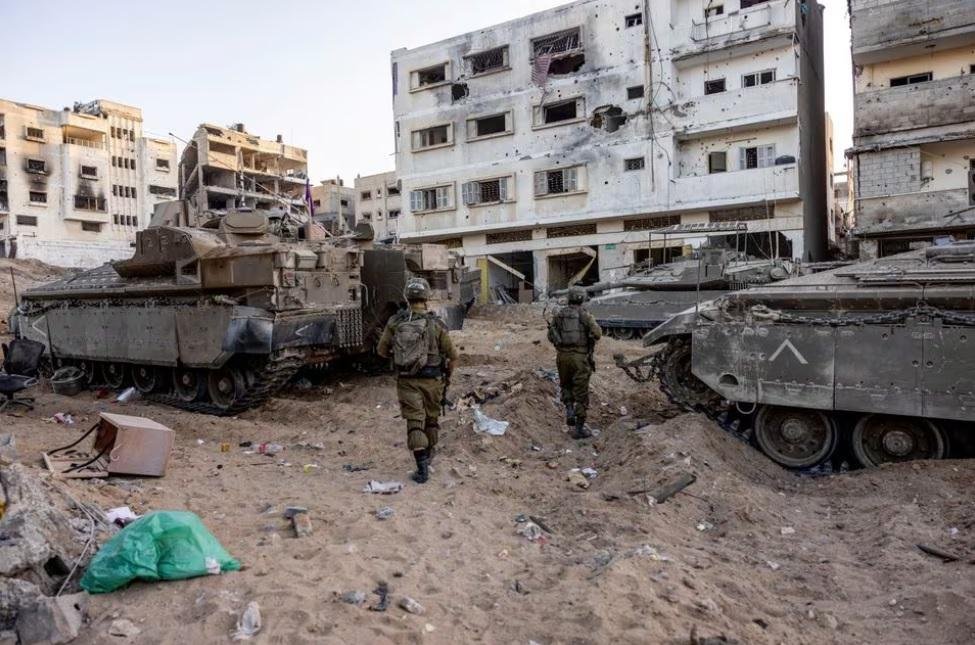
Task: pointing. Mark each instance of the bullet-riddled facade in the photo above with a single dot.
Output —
(76, 184)
(564, 136)
(913, 155)
(378, 202)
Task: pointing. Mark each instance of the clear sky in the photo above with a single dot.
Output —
(315, 72)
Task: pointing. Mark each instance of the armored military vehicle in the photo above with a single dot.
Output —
(650, 294)
(216, 319)
(875, 354)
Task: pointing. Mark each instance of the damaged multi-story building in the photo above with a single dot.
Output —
(378, 202)
(913, 155)
(333, 204)
(76, 184)
(552, 144)
(226, 168)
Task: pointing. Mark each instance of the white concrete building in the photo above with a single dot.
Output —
(76, 184)
(913, 158)
(530, 141)
(378, 201)
(334, 205)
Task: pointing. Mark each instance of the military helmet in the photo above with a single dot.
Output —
(577, 295)
(417, 289)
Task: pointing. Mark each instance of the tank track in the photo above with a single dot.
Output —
(263, 384)
(661, 370)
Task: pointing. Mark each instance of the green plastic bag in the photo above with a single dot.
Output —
(165, 545)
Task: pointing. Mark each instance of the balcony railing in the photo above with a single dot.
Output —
(756, 184)
(908, 22)
(87, 203)
(735, 29)
(87, 143)
(737, 108)
(934, 103)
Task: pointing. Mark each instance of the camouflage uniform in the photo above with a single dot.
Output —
(574, 333)
(420, 395)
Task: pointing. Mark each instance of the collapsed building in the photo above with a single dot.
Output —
(76, 184)
(548, 146)
(224, 169)
(913, 155)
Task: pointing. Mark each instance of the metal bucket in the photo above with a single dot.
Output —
(68, 381)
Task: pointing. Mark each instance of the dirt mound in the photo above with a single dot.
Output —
(26, 274)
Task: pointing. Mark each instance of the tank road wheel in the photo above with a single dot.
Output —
(794, 437)
(678, 381)
(189, 385)
(624, 333)
(114, 375)
(883, 439)
(226, 387)
(88, 367)
(146, 378)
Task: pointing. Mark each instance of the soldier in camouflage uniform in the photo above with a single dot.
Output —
(420, 392)
(574, 332)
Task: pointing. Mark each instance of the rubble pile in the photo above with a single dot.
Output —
(46, 539)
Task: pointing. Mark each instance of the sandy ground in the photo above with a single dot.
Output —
(749, 550)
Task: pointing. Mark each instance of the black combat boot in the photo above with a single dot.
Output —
(570, 416)
(422, 474)
(581, 431)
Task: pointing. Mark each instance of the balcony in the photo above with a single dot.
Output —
(89, 203)
(925, 211)
(86, 143)
(934, 103)
(739, 187)
(908, 27)
(748, 108)
(745, 30)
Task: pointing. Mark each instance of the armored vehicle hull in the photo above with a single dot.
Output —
(877, 356)
(217, 320)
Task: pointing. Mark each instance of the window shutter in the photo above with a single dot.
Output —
(415, 137)
(508, 116)
(468, 190)
(443, 197)
(580, 108)
(450, 133)
(503, 189)
(541, 185)
(742, 159)
(538, 116)
(571, 179)
(471, 128)
(416, 200)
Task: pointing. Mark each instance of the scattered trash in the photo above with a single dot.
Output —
(953, 532)
(245, 444)
(130, 394)
(249, 622)
(383, 592)
(647, 551)
(590, 473)
(536, 448)
(530, 531)
(307, 468)
(486, 425)
(124, 628)
(408, 604)
(165, 545)
(428, 628)
(8, 451)
(787, 530)
(938, 553)
(623, 411)
(663, 493)
(384, 513)
(121, 516)
(224, 447)
(64, 419)
(548, 374)
(301, 523)
(122, 445)
(307, 445)
(269, 449)
(291, 511)
(356, 468)
(774, 566)
(382, 488)
(704, 526)
(577, 479)
(68, 381)
(356, 598)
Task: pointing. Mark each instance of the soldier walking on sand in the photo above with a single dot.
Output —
(574, 333)
(423, 356)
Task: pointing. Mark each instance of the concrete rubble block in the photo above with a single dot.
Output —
(52, 620)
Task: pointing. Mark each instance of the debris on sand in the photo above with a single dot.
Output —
(383, 488)
(249, 623)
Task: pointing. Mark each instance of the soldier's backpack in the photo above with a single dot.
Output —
(567, 331)
(412, 341)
